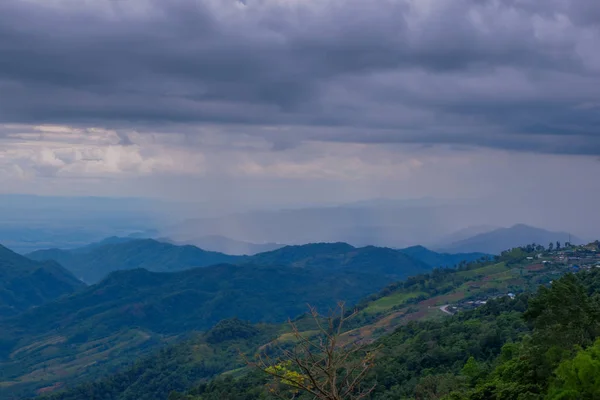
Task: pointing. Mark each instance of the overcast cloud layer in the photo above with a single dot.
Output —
(517, 74)
(302, 101)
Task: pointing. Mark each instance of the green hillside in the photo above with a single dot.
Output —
(25, 283)
(542, 346)
(416, 300)
(132, 311)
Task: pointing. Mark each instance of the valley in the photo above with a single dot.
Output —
(96, 339)
(101, 327)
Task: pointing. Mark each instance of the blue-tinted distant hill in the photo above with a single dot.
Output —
(94, 262)
(436, 259)
(384, 260)
(342, 256)
(25, 283)
(108, 241)
(498, 240)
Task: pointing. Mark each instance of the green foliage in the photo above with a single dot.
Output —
(518, 349)
(288, 375)
(176, 367)
(472, 370)
(421, 349)
(251, 387)
(578, 378)
(231, 329)
(564, 314)
(564, 318)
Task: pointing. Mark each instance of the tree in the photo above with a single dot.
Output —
(472, 370)
(578, 378)
(320, 365)
(557, 245)
(551, 246)
(564, 315)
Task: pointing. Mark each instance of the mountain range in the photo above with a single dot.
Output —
(85, 332)
(94, 262)
(408, 319)
(135, 310)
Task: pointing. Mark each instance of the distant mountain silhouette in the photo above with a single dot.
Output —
(436, 259)
(25, 283)
(94, 262)
(379, 222)
(103, 242)
(342, 256)
(227, 245)
(501, 239)
(462, 234)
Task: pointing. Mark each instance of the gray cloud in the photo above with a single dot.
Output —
(499, 73)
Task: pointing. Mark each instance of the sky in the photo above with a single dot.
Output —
(295, 102)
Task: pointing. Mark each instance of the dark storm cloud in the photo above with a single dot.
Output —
(510, 74)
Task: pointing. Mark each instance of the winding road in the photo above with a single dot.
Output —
(445, 309)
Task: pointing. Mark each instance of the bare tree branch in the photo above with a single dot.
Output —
(320, 365)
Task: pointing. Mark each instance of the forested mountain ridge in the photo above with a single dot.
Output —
(133, 310)
(544, 346)
(419, 298)
(93, 263)
(25, 283)
(342, 256)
